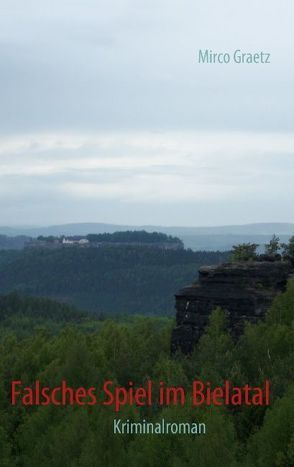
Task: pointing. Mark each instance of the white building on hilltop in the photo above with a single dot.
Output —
(70, 241)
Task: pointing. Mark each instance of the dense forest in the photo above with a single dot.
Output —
(136, 236)
(13, 243)
(60, 342)
(125, 279)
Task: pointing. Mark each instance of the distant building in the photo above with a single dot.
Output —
(73, 241)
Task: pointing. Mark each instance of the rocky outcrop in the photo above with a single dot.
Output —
(244, 290)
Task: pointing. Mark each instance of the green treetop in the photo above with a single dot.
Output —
(272, 248)
(244, 252)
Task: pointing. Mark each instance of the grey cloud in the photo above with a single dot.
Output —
(114, 65)
(126, 73)
(154, 174)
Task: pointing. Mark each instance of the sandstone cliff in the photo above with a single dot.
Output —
(244, 290)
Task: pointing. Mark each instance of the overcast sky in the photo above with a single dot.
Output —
(106, 116)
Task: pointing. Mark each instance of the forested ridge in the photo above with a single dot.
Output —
(136, 236)
(125, 279)
(85, 351)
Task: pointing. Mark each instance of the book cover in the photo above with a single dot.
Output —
(146, 233)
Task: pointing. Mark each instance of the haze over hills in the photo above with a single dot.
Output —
(198, 238)
(84, 228)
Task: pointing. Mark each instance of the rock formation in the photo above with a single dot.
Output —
(243, 290)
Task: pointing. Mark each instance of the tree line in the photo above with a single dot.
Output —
(273, 251)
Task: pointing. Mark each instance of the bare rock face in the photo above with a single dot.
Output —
(244, 290)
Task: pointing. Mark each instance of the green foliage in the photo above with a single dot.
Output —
(137, 349)
(247, 251)
(282, 308)
(244, 252)
(217, 448)
(289, 249)
(273, 444)
(272, 248)
(22, 315)
(135, 236)
(216, 349)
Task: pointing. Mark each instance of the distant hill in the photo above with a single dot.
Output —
(197, 238)
(225, 242)
(96, 227)
(246, 229)
(66, 229)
